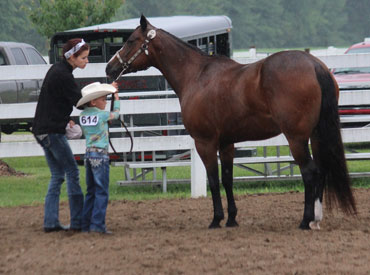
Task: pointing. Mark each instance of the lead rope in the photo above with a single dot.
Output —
(124, 126)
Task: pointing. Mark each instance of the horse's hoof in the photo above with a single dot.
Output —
(304, 225)
(232, 223)
(214, 225)
(315, 225)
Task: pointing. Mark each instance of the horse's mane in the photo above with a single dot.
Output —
(191, 46)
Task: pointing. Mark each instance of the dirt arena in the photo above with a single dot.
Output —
(171, 237)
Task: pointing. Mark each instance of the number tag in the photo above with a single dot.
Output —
(89, 120)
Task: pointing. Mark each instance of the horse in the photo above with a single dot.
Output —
(224, 102)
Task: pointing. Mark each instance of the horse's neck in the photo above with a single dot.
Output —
(179, 64)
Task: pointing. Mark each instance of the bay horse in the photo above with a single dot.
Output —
(224, 102)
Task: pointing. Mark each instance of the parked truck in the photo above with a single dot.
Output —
(18, 91)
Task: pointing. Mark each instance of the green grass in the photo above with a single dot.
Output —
(31, 189)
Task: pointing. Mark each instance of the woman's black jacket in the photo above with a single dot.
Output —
(59, 93)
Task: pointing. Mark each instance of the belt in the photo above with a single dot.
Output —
(97, 150)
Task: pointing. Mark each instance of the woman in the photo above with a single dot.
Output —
(59, 93)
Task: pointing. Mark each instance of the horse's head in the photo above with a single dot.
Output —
(134, 55)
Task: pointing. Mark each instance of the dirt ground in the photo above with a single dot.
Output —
(6, 170)
(171, 237)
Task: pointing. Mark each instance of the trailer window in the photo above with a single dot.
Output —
(211, 46)
(96, 53)
(222, 44)
(112, 48)
(193, 42)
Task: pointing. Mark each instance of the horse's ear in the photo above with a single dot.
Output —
(143, 23)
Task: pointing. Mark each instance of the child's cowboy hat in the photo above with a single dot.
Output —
(93, 91)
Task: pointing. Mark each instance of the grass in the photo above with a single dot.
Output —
(31, 189)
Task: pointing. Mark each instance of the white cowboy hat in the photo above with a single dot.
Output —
(93, 91)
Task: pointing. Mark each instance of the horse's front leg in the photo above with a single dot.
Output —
(208, 154)
(227, 157)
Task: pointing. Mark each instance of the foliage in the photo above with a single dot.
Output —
(279, 23)
(15, 25)
(53, 16)
(358, 19)
(262, 23)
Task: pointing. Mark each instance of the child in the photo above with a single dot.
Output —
(94, 122)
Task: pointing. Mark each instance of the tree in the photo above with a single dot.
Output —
(15, 26)
(259, 23)
(278, 23)
(263, 23)
(358, 26)
(51, 16)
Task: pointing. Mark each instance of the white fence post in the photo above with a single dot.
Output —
(198, 175)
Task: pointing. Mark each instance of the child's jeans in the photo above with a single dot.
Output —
(97, 182)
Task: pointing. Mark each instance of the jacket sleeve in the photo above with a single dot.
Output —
(63, 85)
(71, 90)
(116, 109)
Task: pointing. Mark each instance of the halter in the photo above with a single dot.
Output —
(125, 65)
(143, 48)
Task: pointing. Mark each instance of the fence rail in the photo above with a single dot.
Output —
(97, 70)
(185, 142)
(22, 111)
(168, 104)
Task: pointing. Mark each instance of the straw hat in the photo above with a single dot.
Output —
(93, 91)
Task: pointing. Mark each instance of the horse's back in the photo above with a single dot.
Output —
(289, 65)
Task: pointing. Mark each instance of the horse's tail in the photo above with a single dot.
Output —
(331, 156)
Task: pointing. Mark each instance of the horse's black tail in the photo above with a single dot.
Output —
(331, 156)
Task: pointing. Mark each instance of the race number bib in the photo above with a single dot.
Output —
(89, 120)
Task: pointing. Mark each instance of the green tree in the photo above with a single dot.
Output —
(51, 16)
(333, 20)
(15, 25)
(313, 23)
(278, 23)
(263, 23)
(358, 25)
(153, 8)
(255, 22)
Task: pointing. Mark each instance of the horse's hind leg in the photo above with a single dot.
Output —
(313, 185)
(227, 156)
(313, 196)
(319, 191)
(208, 154)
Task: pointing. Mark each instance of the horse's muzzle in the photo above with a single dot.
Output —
(110, 72)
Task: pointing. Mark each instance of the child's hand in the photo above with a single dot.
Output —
(115, 85)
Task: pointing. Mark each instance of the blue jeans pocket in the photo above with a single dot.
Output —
(45, 142)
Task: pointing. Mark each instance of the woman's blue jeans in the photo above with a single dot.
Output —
(96, 200)
(61, 162)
